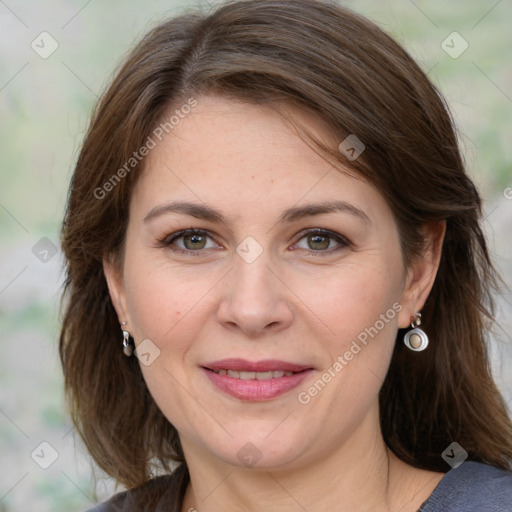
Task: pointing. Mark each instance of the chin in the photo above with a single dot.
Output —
(262, 447)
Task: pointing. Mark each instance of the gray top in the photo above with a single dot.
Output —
(471, 487)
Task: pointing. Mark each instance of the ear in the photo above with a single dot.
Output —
(114, 277)
(422, 273)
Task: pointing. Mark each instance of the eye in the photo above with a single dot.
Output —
(190, 240)
(321, 240)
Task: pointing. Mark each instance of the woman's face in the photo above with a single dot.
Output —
(294, 272)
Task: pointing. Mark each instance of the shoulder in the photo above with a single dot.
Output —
(472, 486)
(160, 494)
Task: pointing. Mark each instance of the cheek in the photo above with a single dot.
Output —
(358, 298)
(165, 308)
(360, 314)
(160, 301)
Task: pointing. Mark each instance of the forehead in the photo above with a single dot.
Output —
(243, 156)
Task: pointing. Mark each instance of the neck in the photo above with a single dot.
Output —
(362, 474)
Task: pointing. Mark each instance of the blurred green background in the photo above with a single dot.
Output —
(45, 104)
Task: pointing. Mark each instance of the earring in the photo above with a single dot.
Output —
(416, 339)
(128, 344)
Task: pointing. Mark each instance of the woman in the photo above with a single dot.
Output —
(277, 283)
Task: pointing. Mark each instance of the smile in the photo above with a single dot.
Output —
(255, 381)
(254, 375)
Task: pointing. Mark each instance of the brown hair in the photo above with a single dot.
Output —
(329, 60)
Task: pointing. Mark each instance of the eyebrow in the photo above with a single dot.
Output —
(199, 211)
(208, 213)
(308, 210)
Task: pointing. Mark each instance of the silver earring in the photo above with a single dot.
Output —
(128, 345)
(416, 339)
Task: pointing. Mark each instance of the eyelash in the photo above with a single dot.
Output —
(341, 240)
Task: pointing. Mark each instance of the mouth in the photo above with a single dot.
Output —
(237, 374)
(255, 381)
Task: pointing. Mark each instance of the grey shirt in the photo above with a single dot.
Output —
(471, 487)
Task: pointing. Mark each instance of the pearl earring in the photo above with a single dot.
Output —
(128, 345)
(416, 339)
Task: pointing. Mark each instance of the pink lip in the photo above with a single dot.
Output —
(268, 365)
(255, 390)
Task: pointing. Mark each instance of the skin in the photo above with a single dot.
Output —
(293, 303)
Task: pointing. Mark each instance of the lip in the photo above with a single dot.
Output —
(255, 390)
(267, 365)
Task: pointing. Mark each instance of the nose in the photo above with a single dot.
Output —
(255, 301)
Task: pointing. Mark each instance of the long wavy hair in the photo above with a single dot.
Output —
(330, 61)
